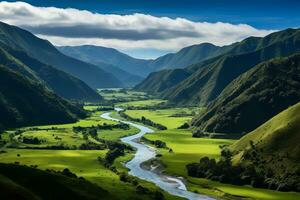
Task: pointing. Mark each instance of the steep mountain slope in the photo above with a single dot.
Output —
(274, 146)
(210, 77)
(254, 97)
(100, 55)
(60, 82)
(188, 56)
(26, 183)
(45, 52)
(167, 79)
(105, 58)
(26, 102)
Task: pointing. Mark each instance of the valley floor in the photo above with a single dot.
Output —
(186, 149)
(85, 163)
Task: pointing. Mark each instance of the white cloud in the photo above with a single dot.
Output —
(76, 27)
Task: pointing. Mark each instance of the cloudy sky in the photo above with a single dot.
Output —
(149, 29)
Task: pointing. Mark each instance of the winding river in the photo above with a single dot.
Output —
(172, 185)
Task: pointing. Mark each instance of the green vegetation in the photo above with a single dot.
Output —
(181, 149)
(142, 103)
(254, 97)
(25, 102)
(20, 182)
(166, 117)
(122, 95)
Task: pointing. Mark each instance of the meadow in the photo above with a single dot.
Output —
(165, 117)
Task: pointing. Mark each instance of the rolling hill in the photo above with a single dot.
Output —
(209, 77)
(254, 97)
(45, 52)
(26, 102)
(60, 82)
(274, 147)
(26, 183)
(120, 65)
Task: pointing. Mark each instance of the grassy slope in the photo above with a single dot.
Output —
(258, 94)
(25, 102)
(19, 182)
(279, 136)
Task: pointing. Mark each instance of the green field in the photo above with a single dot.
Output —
(151, 102)
(164, 116)
(123, 95)
(82, 162)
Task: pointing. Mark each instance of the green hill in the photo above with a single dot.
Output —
(274, 146)
(60, 82)
(119, 64)
(45, 52)
(26, 183)
(27, 102)
(157, 82)
(254, 97)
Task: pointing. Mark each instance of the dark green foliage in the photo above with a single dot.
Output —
(156, 143)
(254, 97)
(255, 174)
(26, 183)
(24, 102)
(45, 52)
(184, 126)
(30, 140)
(111, 155)
(91, 146)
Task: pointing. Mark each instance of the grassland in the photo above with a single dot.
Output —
(82, 162)
(150, 102)
(123, 95)
(164, 116)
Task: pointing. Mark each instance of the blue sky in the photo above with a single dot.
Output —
(263, 16)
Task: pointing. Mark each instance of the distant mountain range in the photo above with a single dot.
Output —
(128, 70)
(45, 52)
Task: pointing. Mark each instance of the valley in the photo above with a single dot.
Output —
(179, 150)
(146, 104)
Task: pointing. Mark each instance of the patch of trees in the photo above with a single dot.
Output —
(143, 120)
(156, 143)
(184, 126)
(255, 174)
(91, 146)
(116, 149)
(32, 140)
(92, 130)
